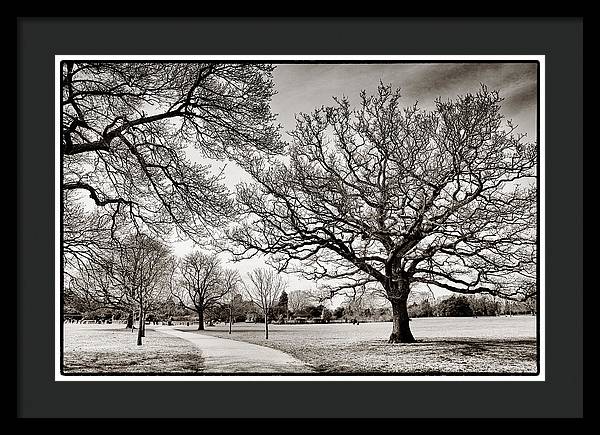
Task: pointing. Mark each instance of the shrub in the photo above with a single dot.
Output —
(454, 307)
(338, 313)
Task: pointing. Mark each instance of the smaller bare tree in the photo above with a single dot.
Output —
(141, 267)
(231, 283)
(132, 277)
(264, 290)
(201, 284)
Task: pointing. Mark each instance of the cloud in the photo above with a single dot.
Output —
(304, 87)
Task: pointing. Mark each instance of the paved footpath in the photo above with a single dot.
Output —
(229, 356)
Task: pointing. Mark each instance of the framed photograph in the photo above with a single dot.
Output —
(320, 219)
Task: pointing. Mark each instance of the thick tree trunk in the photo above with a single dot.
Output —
(200, 320)
(401, 327)
(140, 326)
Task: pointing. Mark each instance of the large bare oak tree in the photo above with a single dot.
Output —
(401, 197)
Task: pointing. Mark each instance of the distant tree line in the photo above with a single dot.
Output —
(468, 306)
(244, 311)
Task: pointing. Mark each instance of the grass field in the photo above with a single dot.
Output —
(446, 345)
(112, 349)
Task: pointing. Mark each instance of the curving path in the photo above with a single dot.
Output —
(229, 356)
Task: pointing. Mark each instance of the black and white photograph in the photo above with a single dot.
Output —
(281, 217)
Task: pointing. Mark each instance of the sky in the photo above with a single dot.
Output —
(303, 87)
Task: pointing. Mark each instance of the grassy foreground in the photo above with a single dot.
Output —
(446, 346)
(90, 349)
(354, 352)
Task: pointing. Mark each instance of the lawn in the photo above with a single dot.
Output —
(445, 345)
(93, 348)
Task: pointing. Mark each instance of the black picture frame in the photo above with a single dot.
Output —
(560, 40)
